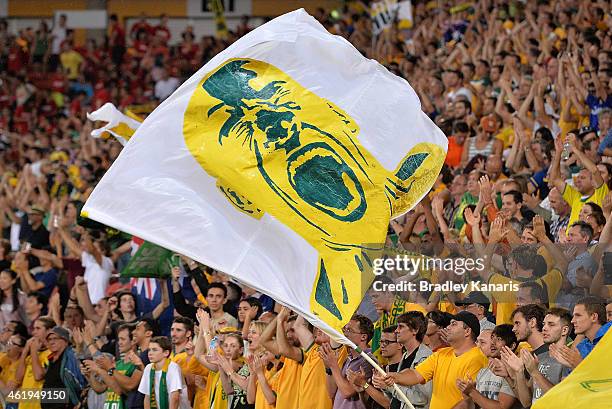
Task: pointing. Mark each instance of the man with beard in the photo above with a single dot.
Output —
(181, 333)
(543, 371)
(489, 390)
(462, 358)
(312, 394)
(283, 326)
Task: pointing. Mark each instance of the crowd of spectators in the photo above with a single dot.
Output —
(522, 89)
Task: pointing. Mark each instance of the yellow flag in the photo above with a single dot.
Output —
(589, 386)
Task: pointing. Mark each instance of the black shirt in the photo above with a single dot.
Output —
(54, 380)
(406, 362)
(39, 237)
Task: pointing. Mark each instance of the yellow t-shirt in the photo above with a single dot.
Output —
(217, 398)
(288, 384)
(8, 366)
(194, 367)
(443, 367)
(506, 300)
(181, 360)
(28, 378)
(312, 395)
(260, 399)
(506, 135)
(71, 60)
(576, 200)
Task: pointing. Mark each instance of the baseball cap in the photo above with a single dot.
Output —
(585, 130)
(36, 209)
(470, 320)
(60, 332)
(475, 297)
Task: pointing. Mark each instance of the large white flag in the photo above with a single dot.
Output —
(280, 163)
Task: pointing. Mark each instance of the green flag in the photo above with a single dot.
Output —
(150, 261)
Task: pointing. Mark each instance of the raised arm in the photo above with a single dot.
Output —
(586, 161)
(284, 347)
(539, 232)
(82, 295)
(165, 299)
(70, 242)
(265, 339)
(555, 179)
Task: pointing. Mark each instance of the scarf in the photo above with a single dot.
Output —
(163, 387)
(71, 375)
(386, 320)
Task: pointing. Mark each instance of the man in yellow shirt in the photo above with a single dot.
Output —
(71, 61)
(287, 342)
(590, 186)
(311, 391)
(461, 360)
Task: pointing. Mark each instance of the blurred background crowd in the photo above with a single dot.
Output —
(521, 89)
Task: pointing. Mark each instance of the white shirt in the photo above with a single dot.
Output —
(96, 275)
(174, 382)
(164, 88)
(59, 35)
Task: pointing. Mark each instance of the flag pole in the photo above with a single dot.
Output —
(400, 393)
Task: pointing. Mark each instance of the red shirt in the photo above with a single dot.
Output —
(15, 61)
(21, 120)
(453, 157)
(141, 25)
(141, 47)
(163, 32)
(117, 35)
(58, 82)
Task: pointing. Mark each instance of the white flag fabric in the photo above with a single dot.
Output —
(121, 126)
(280, 163)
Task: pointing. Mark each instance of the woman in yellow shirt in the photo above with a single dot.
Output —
(263, 380)
(8, 364)
(34, 357)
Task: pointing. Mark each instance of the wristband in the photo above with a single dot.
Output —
(365, 386)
